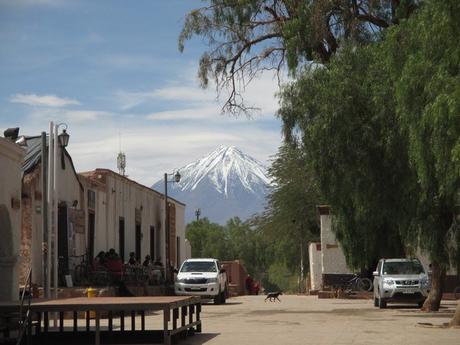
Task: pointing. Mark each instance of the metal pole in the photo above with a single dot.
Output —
(55, 209)
(301, 267)
(50, 205)
(167, 259)
(44, 213)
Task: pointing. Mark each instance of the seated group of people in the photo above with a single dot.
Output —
(112, 262)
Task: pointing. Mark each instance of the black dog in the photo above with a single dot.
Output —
(271, 296)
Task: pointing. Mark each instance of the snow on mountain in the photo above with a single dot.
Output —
(223, 184)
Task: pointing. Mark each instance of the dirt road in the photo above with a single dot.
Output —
(309, 320)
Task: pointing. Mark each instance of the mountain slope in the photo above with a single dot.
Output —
(223, 184)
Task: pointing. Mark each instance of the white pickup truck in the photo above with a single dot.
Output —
(202, 277)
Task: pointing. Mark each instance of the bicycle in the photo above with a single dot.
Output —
(85, 273)
(356, 283)
(81, 271)
(457, 292)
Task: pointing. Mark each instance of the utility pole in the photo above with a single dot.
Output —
(50, 205)
(44, 212)
(167, 249)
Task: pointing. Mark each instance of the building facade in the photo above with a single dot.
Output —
(11, 156)
(129, 217)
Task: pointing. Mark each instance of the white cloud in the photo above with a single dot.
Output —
(45, 100)
(153, 149)
(185, 94)
(43, 115)
(185, 114)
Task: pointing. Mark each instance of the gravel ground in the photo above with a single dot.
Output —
(309, 320)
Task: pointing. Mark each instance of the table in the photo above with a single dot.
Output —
(114, 307)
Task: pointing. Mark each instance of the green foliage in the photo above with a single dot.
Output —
(290, 218)
(345, 117)
(207, 239)
(281, 278)
(234, 241)
(424, 58)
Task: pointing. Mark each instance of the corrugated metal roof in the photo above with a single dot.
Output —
(34, 156)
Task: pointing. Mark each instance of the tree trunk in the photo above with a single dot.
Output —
(456, 319)
(433, 300)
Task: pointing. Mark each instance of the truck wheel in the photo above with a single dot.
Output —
(223, 297)
(376, 302)
(218, 298)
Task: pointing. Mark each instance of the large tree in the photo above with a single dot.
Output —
(290, 218)
(345, 117)
(246, 37)
(424, 58)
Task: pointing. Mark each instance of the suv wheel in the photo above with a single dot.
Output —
(382, 303)
(376, 302)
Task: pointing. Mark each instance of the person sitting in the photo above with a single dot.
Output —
(100, 260)
(132, 259)
(157, 271)
(112, 254)
(147, 261)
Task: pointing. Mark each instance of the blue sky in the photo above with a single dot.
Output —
(111, 70)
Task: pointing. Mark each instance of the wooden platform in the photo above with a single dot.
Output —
(40, 331)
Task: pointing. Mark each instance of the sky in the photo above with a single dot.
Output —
(112, 72)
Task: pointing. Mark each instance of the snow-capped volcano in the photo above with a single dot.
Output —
(224, 184)
(224, 168)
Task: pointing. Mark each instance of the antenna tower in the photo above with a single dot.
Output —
(121, 159)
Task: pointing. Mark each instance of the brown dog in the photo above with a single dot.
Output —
(271, 296)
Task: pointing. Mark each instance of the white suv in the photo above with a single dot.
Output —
(400, 280)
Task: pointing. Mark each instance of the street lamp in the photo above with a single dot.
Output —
(63, 137)
(63, 140)
(55, 140)
(167, 230)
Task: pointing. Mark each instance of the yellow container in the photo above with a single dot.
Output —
(90, 293)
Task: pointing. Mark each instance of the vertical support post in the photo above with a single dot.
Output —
(191, 310)
(55, 210)
(50, 206)
(46, 321)
(29, 328)
(167, 236)
(61, 321)
(75, 321)
(133, 320)
(122, 320)
(166, 334)
(175, 317)
(143, 320)
(110, 321)
(97, 340)
(198, 311)
(302, 285)
(38, 325)
(87, 320)
(44, 214)
(183, 315)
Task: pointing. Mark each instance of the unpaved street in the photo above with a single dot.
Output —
(309, 320)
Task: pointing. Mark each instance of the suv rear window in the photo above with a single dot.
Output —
(198, 266)
(403, 267)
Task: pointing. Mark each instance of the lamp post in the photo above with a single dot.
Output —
(167, 230)
(62, 140)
